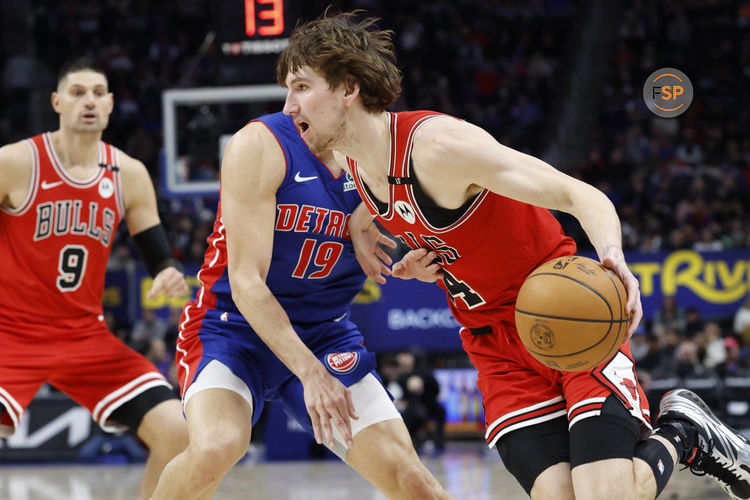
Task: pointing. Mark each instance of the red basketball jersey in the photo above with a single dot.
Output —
(486, 252)
(55, 246)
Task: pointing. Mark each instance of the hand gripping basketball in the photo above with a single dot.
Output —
(571, 313)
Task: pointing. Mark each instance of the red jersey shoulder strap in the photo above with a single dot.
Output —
(363, 193)
(403, 126)
(110, 161)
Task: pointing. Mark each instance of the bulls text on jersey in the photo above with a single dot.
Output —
(65, 217)
(446, 255)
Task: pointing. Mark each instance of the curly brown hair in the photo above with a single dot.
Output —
(346, 50)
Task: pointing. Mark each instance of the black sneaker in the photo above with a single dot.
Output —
(718, 450)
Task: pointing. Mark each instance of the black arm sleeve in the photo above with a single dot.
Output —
(153, 248)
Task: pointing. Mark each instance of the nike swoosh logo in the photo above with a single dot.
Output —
(50, 185)
(299, 178)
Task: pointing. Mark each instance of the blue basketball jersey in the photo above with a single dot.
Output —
(313, 273)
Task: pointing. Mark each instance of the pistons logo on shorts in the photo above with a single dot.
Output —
(342, 363)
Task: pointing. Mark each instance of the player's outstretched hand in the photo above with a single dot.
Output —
(367, 238)
(169, 281)
(615, 261)
(418, 264)
(327, 400)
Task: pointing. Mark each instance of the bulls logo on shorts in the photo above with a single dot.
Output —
(630, 386)
(342, 363)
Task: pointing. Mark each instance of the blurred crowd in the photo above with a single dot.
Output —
(682, 183)
(409, 378)
(677, 183)
(494, 64)
(679, 348)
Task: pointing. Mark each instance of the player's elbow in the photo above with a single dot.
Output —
(582, 200)
(245, 286)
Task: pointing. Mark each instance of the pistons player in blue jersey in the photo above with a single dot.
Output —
(270, 321)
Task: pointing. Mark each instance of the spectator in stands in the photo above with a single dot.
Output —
(389, 371)
(158, 355)
(654, 355)
(741, 323)
(421, 406)
(18, 79)
(715, 351)
(639, 346)
(670, 314)
(149, 327)
(703, 381)
(172, 327)
(693, 321)
(686, 362)
(733, 365)
(708, 242)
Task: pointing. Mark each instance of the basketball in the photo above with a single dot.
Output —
(570, 313)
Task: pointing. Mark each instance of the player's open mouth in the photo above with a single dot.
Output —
(89, 116)
(303, 126)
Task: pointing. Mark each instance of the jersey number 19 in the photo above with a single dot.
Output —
(326, 256)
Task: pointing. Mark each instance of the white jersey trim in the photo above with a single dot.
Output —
(406, 169)
(57, 165)
(183, 352)
(117, 398)
(527, 409)
(526, 423)
(212, 263)
(364, 193)
(372, 404)
(14, 409)
(586, 402)
(586, 414)
(117, 178)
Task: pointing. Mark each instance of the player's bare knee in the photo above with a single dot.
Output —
(219, 450)
(164, 436)
(643, 489)
(171, 440)
(611, 479)
(417, 482)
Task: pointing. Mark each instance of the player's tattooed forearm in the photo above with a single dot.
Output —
(606, 249)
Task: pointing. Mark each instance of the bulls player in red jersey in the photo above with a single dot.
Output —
(479, 209)
(63, 195)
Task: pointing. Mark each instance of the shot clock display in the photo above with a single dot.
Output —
(275, 15)
(252, 27)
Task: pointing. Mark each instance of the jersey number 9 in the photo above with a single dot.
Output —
(72, 267)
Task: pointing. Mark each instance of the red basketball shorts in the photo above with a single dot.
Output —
(79, 356)
(518, 391)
